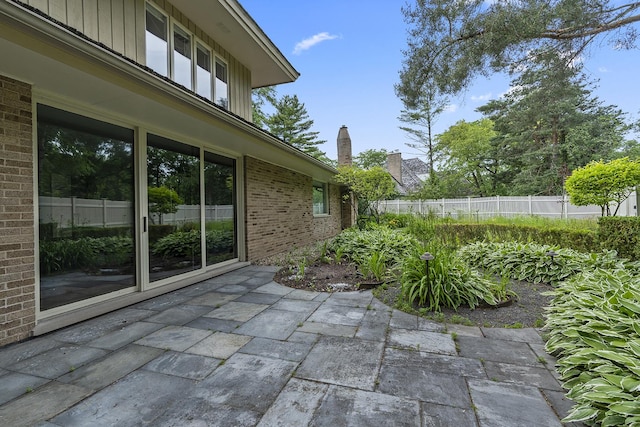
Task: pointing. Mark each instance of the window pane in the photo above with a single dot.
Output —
(182, 58)
(320, 205)
(86, 214)
(220, 207)
(203, 72)
(156, 41)
(222, 97)
(173, 177)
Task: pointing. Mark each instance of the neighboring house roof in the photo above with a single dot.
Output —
(414, 173)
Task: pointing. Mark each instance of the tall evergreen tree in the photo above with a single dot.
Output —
(292, 124)
(549, 123)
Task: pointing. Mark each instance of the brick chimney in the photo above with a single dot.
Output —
(344, 147)
(394, 166)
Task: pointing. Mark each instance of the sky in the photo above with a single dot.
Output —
(349, 55)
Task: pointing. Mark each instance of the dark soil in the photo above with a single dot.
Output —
(527, 310)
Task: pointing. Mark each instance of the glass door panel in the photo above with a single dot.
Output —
(220, 208)
(86, 207)
(173, 179)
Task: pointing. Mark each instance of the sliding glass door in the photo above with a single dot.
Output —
(173, 179)
(87, 186)
(86, 207)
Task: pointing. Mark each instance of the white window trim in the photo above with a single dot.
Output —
(168, 35)
(215, 59)
(325, 202)
(197, 41)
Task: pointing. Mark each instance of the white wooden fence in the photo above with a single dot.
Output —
(485, 207)
(73, 211)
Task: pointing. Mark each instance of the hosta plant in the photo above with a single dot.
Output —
(594, 330)
(535, 263)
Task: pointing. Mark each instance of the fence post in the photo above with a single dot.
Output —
(530, 204)
(104, 213)
(498, 204)
(469, 206)
(443, 202)
(73, 211)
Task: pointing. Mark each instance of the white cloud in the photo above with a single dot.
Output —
(603, 69)
(308, 43)
(451, 108)
(479, 98)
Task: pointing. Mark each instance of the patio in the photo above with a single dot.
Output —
(242, 350)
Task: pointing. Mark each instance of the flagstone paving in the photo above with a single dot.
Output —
(242, 350)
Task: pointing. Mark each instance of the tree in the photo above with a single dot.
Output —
(548, 124)
(162, 200)
(370, 186)
(260, 97)
(291, 123)
(370, 158)
(602, 184)
(450, 42)
(467, 150)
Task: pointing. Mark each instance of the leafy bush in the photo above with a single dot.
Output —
(448, 283)
(594, 330)
(67, 254)
(532, 262)
(585, 240)
(621, 234)
(360, 245)
(186, 244)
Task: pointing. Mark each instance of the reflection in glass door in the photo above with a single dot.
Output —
(173, 179)
(220, 212)
(86, 211)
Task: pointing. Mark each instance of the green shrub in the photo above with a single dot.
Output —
(532, 262)
(186, 244)
(621, 234)
(360, 245)
(68, 254)
(449, 283)
(158, 231)
(585, 240)
(594, 330)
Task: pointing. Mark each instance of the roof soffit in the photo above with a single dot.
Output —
(232, 27)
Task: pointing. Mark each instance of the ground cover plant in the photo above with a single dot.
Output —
(594, 330)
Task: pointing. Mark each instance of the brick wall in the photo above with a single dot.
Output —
(17, 271)
(280, 210)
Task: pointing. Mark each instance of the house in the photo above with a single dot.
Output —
(129, 166)
(409, 174)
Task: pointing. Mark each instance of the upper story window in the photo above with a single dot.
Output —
(222, 90)
(182, 68)
(174, 52)
(203, 71)
(157, 41)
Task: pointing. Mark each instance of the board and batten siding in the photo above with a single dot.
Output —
(120, 25)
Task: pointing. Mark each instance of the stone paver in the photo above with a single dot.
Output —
(506, 405)
(343, 361)
(242, 350)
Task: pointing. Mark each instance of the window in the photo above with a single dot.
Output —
(320, 199)
(86, 207)
(222, 97)
(185, 60)
(173, 179)
(182, 57)
(156, 41)
(203, 71)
